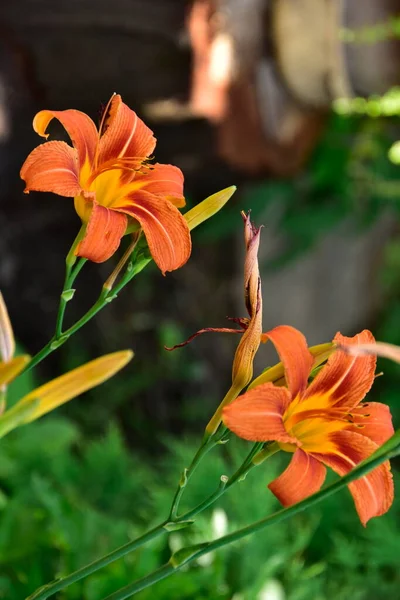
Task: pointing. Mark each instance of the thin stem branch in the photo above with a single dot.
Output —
(227, 483)
(189, 554)
(143, 583)
(207, 444)
(66, 295)
(59, 584)
(106, 296)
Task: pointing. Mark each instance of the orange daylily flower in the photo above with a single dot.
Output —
(108, 173)
(324, 423)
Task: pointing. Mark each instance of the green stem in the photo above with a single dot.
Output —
(226, 483)
(67, 293)
(55, 342)
(207, 444)
(168, 569)
(186, 555)
(70, 277)
(59, 584)
(147, 581)
(105, 298)
(41, 355)
(165, 527)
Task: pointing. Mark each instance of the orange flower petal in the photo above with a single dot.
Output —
(297, 360)
(373, 494)
(166, 180)
(347, 379)
(257, 415)
(52, 167)
(166, 230)
(79, 126)
(303, 477)
(276, 374)
(376, 421)
(125, 134)
(103, 234)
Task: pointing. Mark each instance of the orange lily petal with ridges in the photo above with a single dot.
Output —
(125, 134)
(257, 415)
(52, 167)
(9, 370)
(166, 230)
(376, 421)
(346, 379)
(373, 494)
(78, 125)
(103, 234)
(7, 342)
(303, 477)
(72, 384)
(293, 351)
(276, 374)
(166, 180)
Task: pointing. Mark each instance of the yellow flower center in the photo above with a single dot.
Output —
(312, 421)
(107, 185)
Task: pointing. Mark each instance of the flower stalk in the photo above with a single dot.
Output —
(187, 555)
(170, 524)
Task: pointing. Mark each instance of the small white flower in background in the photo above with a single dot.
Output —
(219, 523)
(219, 527)
(175, 542)
(272, 590)
(394, 153)
(206, 560)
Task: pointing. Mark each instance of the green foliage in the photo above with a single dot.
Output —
(24, 384)
(65, 501)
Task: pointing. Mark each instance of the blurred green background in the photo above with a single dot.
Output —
(102, 469)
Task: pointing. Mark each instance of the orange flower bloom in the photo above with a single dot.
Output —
(323, 423)
(114, 186)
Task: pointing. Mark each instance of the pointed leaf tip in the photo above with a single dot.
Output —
(208, 207)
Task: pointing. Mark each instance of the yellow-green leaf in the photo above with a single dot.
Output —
(17, 416)
(72, 384)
